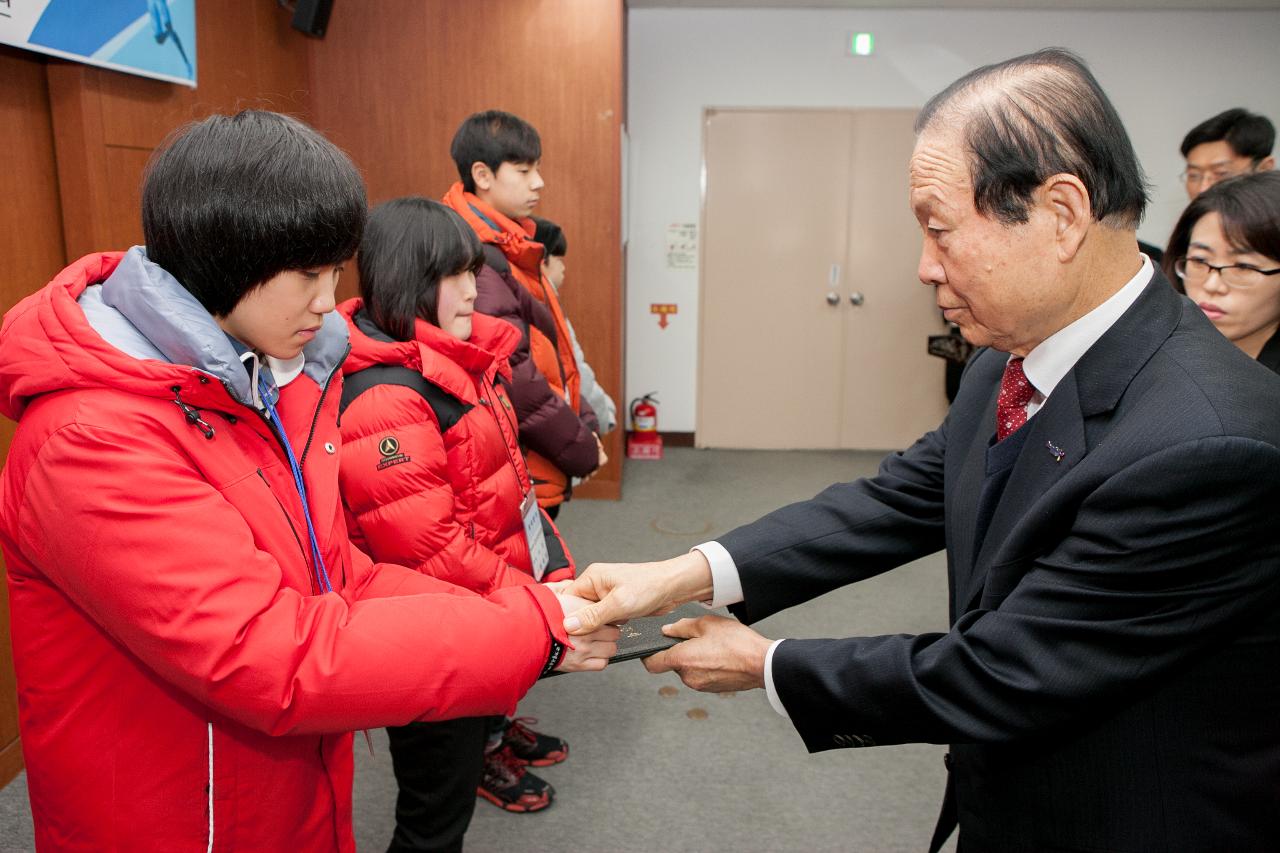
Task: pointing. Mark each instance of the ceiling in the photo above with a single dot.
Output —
(1207, 5)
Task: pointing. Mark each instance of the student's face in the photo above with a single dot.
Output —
(996, 282)
(513, 189)
(456, 303)
(553, 269)
(1247, 316)
(285, 313)
(1212, 162)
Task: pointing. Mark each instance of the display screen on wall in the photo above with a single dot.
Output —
(151, 38)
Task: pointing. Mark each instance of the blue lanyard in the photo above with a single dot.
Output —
(322, 574)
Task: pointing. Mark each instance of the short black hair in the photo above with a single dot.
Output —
(493, 138)
(551, 236)
(1034, 116)
(410, 244)
(1249, 207)
(1249, 134)
(233, 200)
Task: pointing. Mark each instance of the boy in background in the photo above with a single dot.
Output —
(497, 155)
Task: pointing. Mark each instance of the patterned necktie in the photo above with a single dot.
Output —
(1015, 393)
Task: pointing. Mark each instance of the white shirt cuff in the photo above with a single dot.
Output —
(726, 586)
(769, 689)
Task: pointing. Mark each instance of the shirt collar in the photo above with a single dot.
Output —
(1057, 354)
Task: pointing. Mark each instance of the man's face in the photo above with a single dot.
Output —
(513, 190)
(1211, 162)
(998, 283)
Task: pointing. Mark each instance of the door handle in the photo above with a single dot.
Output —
(833, 298)
(856, 298)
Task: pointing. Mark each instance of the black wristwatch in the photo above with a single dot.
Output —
(553, 659)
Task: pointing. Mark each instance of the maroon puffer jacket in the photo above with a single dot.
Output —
(435, 482)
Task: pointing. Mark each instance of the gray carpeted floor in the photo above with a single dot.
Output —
(693, 772)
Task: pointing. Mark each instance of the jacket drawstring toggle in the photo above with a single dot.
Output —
(192, 414)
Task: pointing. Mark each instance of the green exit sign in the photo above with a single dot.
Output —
(862, 44)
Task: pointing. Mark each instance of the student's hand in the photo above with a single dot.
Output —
(592, 650)
(602, 457)
(718, 655)
(627, 590)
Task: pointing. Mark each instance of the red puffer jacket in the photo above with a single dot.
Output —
(438, 487)
(181, 683)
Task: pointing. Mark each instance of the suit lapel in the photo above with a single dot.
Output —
(1054, 446)
(1058, 440)
(962, 512)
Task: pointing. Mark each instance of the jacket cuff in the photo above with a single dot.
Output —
(565, 574)
(552, 613)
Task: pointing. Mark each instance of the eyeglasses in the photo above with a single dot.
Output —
(1195, 177)
(1239, 276)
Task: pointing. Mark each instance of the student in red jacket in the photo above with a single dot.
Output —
(193, 635)
(433, 478)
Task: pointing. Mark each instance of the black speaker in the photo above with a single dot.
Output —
(312, 16)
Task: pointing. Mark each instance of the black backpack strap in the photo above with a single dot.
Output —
(448, 409)
(557, 558)
(493, 257)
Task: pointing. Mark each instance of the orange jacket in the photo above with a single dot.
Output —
(553, 357)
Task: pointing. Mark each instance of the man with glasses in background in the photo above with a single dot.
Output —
(1231, 143)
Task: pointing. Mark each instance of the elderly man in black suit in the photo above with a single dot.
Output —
(1106, 487)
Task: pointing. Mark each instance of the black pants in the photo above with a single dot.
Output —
(438, 768)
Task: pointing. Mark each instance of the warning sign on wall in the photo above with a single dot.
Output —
(663, 310)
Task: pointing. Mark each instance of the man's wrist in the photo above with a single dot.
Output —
(726, 585)
(691, 578)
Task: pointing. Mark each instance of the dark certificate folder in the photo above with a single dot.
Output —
(643, 637)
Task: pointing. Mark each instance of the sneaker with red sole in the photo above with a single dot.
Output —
(508, 785)
(532, 748)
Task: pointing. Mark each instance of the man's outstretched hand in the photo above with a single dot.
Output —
(625, 591)
(592, 649)
(718, 655)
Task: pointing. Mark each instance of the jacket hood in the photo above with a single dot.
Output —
(118, 320)
(437, 355)
(513, 237)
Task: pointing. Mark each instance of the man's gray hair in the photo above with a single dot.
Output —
(1031, 117)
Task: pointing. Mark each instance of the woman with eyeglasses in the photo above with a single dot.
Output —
(1224, 253)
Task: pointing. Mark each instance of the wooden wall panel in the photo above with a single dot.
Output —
(391, 86)
(31, 245)
(76, 140)
(108, 123)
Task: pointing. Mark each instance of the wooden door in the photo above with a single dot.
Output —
(775, 222)
(894, 391)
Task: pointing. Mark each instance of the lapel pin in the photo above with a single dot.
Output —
(1057, 451)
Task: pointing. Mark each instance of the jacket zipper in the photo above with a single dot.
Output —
(292, 530)
(315, 418)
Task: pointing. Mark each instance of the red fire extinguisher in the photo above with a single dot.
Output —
(644, 413)
(644, 441)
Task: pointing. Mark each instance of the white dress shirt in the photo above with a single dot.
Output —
(1044, 366)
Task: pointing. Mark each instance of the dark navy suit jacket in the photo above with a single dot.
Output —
(1111, 679)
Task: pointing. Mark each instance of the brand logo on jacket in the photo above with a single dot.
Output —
(389, 447)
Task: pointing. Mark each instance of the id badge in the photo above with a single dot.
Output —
(533, 535)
